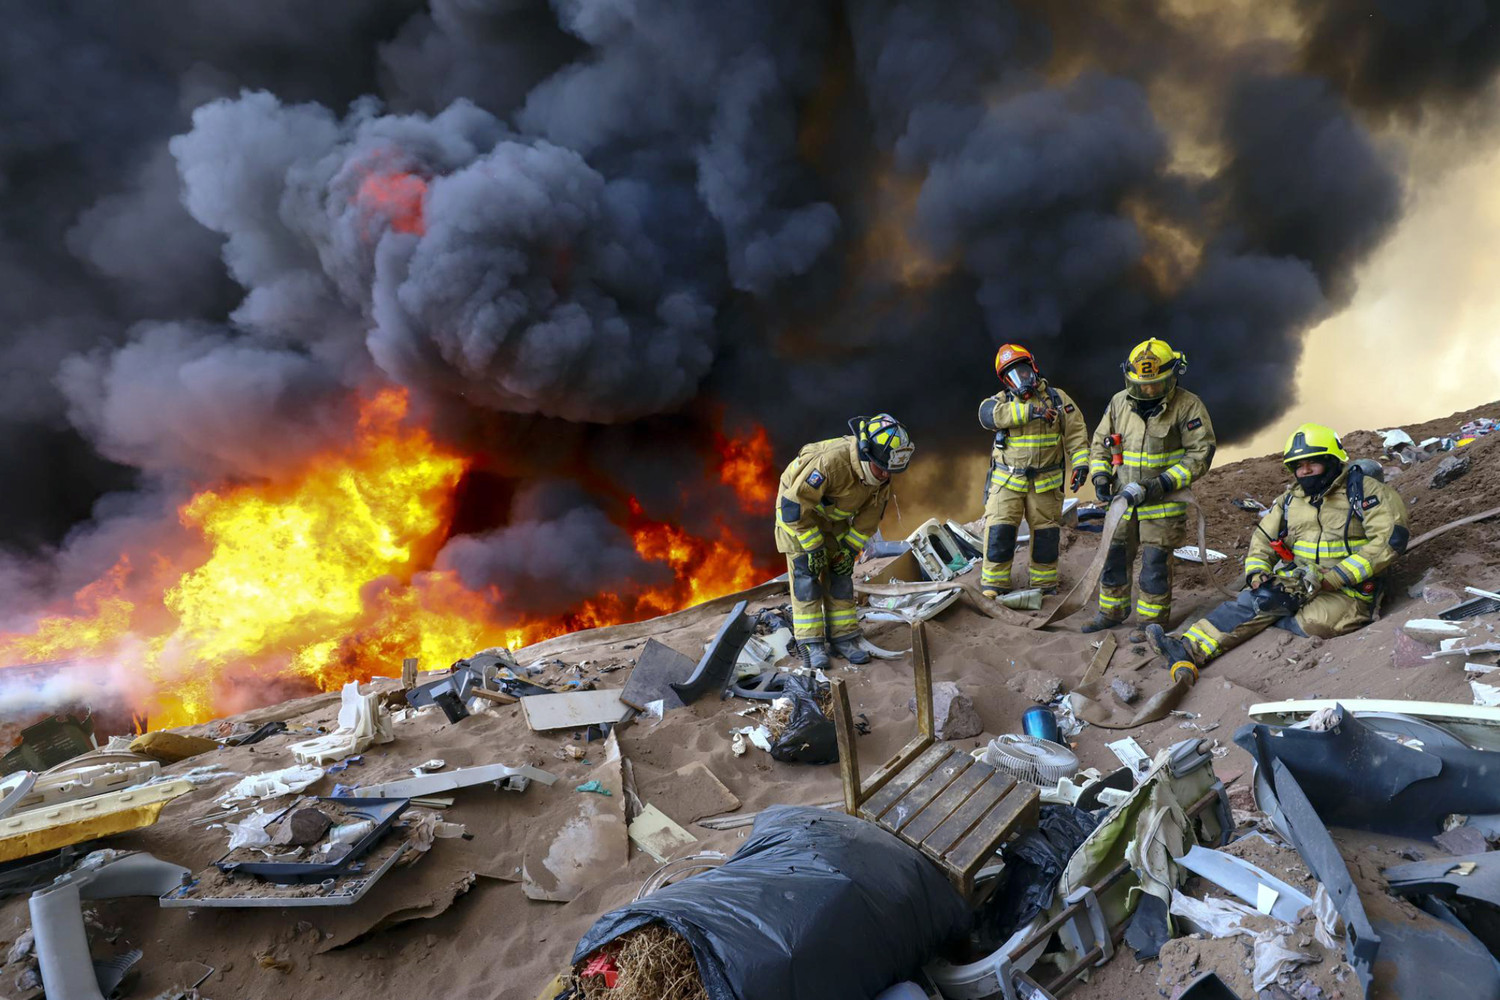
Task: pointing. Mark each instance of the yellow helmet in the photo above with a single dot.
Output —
(1153, 369)
(1313, 441)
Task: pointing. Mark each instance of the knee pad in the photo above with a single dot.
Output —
(1229, 616)
(805, 586)
(1116, 567)
(1000, 547)
(1045, 543)
(1155, 574)
(840, 588)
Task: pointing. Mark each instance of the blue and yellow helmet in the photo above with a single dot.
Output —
(883, 441)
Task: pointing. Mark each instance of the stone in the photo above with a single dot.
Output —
(953, 714)
(1462, 840)
(1040, 687)
(1450, 469)
(1407, 652)
(302, 828)
(1124, 690)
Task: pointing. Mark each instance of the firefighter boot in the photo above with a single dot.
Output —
(1182, 658)
(847, 647)
(1100, 623)
(814, 654)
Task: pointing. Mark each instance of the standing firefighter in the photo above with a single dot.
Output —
(1155, 438)
(1315, 558)
(1039, 434)
(829, 503)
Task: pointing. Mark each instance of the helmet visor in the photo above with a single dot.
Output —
(1149, 388)
(1019, 377)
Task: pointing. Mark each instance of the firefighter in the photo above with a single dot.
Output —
(1155, 438)
(1039, 435)
(1315, 559)
(829, 503)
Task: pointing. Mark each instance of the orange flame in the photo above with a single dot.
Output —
(399, 197)
(745, 467)
(326, 579)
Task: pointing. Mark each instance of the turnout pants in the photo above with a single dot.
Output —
(1328, 614)
(1003, 511)
(1154, 539)
(822, 606)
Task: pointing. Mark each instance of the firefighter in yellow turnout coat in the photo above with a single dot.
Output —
(1039, 435)
(1341, 529)
(829, 503)
(1155, 438)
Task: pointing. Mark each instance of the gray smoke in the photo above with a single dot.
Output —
(588, 235)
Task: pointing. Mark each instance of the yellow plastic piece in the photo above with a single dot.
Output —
(552, 989)
(51, 827)
(169, 748)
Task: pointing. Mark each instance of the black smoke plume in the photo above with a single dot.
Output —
(591, 235)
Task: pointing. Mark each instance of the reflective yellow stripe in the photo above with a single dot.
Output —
(1015, 413)
(1033, 439)
(1161, 511)
(1041, 575)
(1081, 457)
(838, 513)
(1254, 565)
(1335, 549)
(1356, 569)
(1154, 461)
(1202, 640)
(999, 574)
(1051, 481)
(1179, 475)
(855, 540)
(1112, 602)
(1143, 606)
(1009, 481)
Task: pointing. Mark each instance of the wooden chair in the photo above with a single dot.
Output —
(954, 809)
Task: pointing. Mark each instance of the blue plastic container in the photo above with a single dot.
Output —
(1040, 723)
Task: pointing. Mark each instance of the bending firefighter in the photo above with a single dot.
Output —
(1155, 438)
(1315, 559)
(1039, 435)
(829, 503)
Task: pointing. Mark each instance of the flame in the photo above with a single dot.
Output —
(326, 578)
(399, 197)
(745, 467)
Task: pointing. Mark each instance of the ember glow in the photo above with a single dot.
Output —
(327, 578)
(398, 197)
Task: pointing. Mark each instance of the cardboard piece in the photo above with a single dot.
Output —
(654, 832)
(584, 841)
(690, 793)
(656, 669)
(573, 709)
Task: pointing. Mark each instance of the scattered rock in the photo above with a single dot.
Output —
(1124, 690)
(1407, 653)
(1411, 854)
(23, 946)
(953, 714)
(1136, 636)
(1037, 685)
(1450, 469)
(1462, 840)
(1242, 798)
(1435, 593)
(303, 827)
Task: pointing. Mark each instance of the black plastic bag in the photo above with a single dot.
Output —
(809, 738)
(1034, 863)
(816, 905)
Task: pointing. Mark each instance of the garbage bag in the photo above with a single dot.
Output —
(1034, 864)
(815, 905)
(809, 738)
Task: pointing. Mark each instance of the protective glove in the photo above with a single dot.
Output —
(1253, 580)
(1329, 580)
(1039, 412)
(817, 561)
(1155, 489)
(842, 561)
(1079, 475)
(1134, 494)
(1104, 486)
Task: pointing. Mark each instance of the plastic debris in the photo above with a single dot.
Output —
(593, 786)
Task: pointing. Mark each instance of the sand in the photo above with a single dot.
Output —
(457, 924)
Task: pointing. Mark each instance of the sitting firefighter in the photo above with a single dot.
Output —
(1154, 439)
(829, 503)
(1315, 559)
(1039, 434)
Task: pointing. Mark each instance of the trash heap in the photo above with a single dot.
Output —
(677, 809)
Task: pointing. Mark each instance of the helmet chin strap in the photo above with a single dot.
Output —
(867, 473)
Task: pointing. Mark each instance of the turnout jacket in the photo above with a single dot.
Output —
(823, 498)
(1178, 440)
(1031, 453)
(1356, 529)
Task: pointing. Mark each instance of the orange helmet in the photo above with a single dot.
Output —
(1017, 369)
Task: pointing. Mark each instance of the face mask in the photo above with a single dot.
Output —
(1314, 486)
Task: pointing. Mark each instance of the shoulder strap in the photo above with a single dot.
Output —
(1354, 488)
(1056, 399)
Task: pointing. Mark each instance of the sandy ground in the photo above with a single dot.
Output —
(465, 929)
